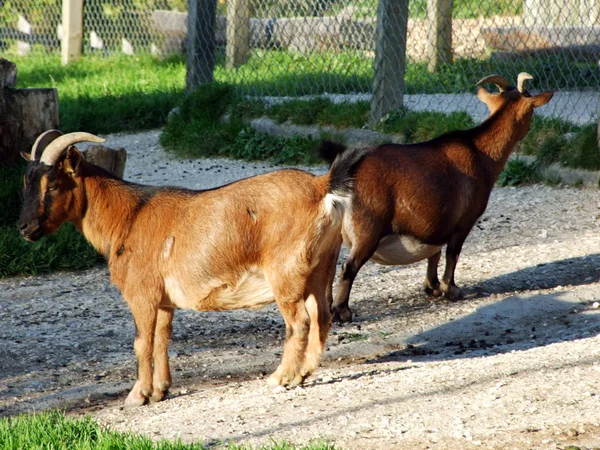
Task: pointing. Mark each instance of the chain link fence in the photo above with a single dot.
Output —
(438, 49)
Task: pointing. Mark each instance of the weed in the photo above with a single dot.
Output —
(423, 126)
(582, 150)
(352, 337)
(518, 171)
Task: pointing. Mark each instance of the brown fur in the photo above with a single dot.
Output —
(428, 195)
(274, 237)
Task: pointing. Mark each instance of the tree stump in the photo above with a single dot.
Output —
(24, 114)
(109, 159)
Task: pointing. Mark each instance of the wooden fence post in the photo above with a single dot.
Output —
(238, 32)
(390, 57)
(200, 59)
(439, 33)
(72, 30)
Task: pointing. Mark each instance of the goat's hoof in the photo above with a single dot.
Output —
(453, 293)
(274, 379)
(158, 395)
(433, 292)
(342, 315)
(135, 399)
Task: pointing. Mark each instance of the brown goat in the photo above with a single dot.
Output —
(273, 237)
(411, 200)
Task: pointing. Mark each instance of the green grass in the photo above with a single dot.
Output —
(54, 431)
(63, 250)
(423, 126)
(197, 131)
(122, 93)
(107, 95)
(461, 9)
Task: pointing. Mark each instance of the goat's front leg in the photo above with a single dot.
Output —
(161, 381)
(448, 286)
(432, 283)
(144, 314)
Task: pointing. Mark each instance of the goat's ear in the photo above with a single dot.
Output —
(25, 156)
(541, 99)
(72, 160)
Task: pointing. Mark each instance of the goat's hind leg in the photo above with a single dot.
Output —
(448, 286)
(318, 307)
(289, 296)
(432, 282)
(161, 380)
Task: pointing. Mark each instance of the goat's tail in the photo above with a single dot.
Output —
(341, 173)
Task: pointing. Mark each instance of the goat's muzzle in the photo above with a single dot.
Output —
(30, 230)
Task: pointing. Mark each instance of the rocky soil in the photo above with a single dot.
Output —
(516, 364)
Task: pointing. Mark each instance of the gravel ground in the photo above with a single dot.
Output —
(514, 365)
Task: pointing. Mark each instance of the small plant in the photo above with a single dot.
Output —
(518, 171)
(423, 126)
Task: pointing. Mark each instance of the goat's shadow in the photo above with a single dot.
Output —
(519, 322)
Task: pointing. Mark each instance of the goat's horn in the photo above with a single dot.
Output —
(521, 79)
(498, 80)
(42, 142)
(60, 144)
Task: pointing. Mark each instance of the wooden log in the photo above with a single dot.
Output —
(24, 114)
(8, 73)
(109, 159)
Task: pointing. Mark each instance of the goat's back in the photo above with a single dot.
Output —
(423, 190)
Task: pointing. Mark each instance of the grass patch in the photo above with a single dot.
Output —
(461, 9)
(54, 431)
(423, 126)
(66, 249)
(198, 131)
(107, 95)
(519, 171)
(556, 141)
(122, 93)
(321, 111)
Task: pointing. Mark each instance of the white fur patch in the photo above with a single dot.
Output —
(336, 204)
(168, 247)
(397, 250)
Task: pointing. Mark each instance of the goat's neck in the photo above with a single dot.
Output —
(109, 208)
(496, 137)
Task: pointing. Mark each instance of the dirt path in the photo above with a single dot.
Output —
(514, 365)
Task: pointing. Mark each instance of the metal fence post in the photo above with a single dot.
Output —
(439, 33)
(200, 59)
(72, 30)
(390, 57)
(238, 32)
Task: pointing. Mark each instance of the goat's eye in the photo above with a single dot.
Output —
(52, 187)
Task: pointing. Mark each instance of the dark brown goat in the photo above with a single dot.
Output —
(411, 200)
(273, 237)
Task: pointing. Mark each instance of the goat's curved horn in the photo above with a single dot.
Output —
(60, 144)
(498, 80)
(42, 142)
(521, 79)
